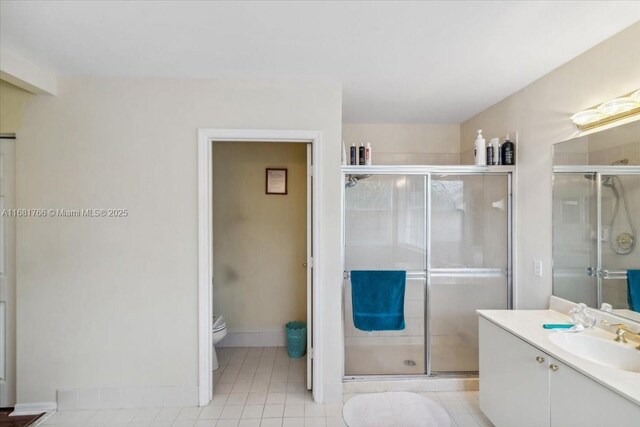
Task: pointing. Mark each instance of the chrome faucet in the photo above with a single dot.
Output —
(623, 332)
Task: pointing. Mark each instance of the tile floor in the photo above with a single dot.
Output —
(257, 387)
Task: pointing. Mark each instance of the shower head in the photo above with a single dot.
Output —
(352, 180)
(607, 181)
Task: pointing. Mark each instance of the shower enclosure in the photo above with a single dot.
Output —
(449, 228)
(596, 212)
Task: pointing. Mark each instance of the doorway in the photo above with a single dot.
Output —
(259, 261)
(7, 271)
(310, 140)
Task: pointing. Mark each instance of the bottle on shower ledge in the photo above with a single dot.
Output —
(367, 154)
(353, 156)
(361, 154)
(489, 154)
(480, 150)
(508, 152)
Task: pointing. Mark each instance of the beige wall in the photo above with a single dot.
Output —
(259, 240)
(541, 114)
(406, 143)
(12, 101)
(113, 302)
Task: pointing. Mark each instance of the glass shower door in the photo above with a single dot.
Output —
(575, 243)
(620, 214)
(385, 230)
(469, 263)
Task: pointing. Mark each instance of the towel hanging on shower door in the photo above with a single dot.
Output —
(378, 299)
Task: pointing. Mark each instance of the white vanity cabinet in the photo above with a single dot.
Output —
(523, 386)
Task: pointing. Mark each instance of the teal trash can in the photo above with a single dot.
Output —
(296, 338)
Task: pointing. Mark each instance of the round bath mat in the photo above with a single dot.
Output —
(394, 409)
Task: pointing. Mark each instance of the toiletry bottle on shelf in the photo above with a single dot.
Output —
(353, 155)
(367, 154)
(361, 154)
(508, 152)
(489, 154)
(344, 154)
(495, 149)
(480, 150)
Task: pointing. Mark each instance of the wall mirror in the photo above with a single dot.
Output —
(596, 220)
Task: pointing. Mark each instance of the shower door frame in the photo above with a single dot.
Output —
(599, 272)
(428, 171)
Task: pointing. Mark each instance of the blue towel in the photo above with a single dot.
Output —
(633, 289)
(378, 300)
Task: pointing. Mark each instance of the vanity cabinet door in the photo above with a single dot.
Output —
(514, 379)
(579, 401)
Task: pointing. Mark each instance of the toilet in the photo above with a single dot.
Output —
(218, 332)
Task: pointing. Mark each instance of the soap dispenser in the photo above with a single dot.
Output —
(480, 149)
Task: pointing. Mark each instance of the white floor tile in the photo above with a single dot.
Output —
(237, 398)
(183, 423)
(232, 412)
(253, 411)
(167, 414)
(189, 413)
(335, 422)
(273, 398)
(205, 423)
(211, 412)
(102, 416)
(250, 423)
(293, 422)
(256, 398)
(219, 398)
(277, 387)
(333, 410)
(465, 420)
(126, 415)
(227, 423)
(313, 410)
(293, 411)
(273, 411)
(271, 422)
(259, 387)
(146, 414)
(314, 422)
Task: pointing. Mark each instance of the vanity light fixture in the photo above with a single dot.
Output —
(607, 112)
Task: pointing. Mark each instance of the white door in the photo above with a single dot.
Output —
(309, 266)
(7, 273)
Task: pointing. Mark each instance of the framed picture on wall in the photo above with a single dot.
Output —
(276, 181)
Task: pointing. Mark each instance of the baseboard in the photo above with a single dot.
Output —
(33, 408)
(254, 339)
(127, 397)
(414, 385)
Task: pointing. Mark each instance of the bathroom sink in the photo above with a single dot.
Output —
(603, 352)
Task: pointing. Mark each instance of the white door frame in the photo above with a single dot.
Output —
(206, 137)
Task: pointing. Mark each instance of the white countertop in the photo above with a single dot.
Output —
(527, 325)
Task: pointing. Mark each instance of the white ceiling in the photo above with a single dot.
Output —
(418, 62)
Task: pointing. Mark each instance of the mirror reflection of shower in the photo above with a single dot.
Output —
(624, 243)
(352, 180)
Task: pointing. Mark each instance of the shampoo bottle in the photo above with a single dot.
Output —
(508, 152)
(344, 154)
(494, 143)
(361, 154)
(480, 149)
(367, 154)
(353, 156)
